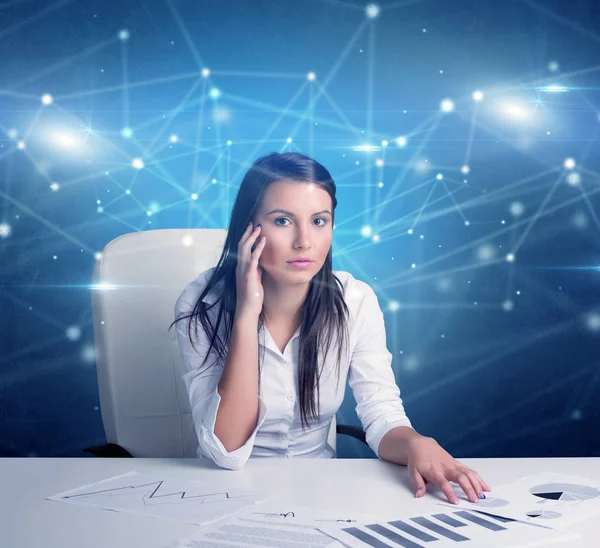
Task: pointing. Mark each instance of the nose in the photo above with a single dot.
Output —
(302, 238)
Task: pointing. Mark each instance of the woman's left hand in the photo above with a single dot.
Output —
(429, 462)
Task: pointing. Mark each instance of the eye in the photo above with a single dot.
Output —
(286, 219)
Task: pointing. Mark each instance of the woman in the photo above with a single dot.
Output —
(282, 404)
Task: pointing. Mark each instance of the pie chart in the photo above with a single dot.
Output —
(492, 502)
(565, 492)
(543, 514)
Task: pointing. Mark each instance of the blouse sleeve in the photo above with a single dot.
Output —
(201, 382)
(371, 378)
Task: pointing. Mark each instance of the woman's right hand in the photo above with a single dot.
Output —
(248, 273)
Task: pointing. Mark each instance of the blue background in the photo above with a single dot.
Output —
(494, 357)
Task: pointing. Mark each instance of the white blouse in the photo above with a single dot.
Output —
(278, 431)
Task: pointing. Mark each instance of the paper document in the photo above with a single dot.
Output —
(447, 529)
(272, 523)
(194, 502)
(548, 498)
(275, 527)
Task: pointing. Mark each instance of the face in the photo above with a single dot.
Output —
(302, 227)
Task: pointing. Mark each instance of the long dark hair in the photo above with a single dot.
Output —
(323, 310)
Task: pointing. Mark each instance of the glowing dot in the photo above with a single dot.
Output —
(194, 196)
(393, 306)
(311, 76)
(478, 95)
(447, 105)
(47, 99)
(149, 213)
(515, 111)
(173, 138)
(73, 333)
(384, 143)
(5, 230)
(554, 88)
(366, 231)
(54, 257)
(154, 207)
(21, 145)
(137, 163)
(187, 240)
(128, 191)
(12, 133)
(467, 223)
(465, 170)
(372, 11)
(593, 321)
(380, 184)
(576, 414)
(205, 72)
(100, 209)
(289, 139)
(214, 181)
(214, 93)
(510, 257)
(54, 187)
(98, 255)
(410, 230)
(413, 265)
(401, 141)
(517, 209)
(553, 66)
(376, 238)
(507, 305)
(411, 363)
(124, 35)
(485, 252)
(569, 163)
(379, 162)
(439, 176)
(574, 178)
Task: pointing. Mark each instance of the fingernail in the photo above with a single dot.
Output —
(419, 491)
(454, 501)
(482, 496)
(258, 225)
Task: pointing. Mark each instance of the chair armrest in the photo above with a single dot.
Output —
(354, 431)
(108, 450)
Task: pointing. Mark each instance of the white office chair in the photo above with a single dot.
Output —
(144, 403)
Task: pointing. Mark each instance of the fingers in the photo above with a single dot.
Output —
(257, 251)
(418, 482)
(247, 240)
(440, 481)
(470, 489)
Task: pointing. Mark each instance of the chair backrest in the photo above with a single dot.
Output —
(144, 403)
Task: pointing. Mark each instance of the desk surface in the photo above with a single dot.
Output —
(28, 520)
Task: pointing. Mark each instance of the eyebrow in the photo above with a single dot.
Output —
(292, 215)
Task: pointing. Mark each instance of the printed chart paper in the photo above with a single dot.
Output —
(248, 529)
(194, 502)
(443, 529)
(548, 498)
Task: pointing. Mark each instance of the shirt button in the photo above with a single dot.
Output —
(287, 365)
(290, 397)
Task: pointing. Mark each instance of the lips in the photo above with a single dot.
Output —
(300, 262)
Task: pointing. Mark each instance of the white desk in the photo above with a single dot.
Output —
(28, 520)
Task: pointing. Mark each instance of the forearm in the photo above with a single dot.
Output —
(394, 445)
(238, 386)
